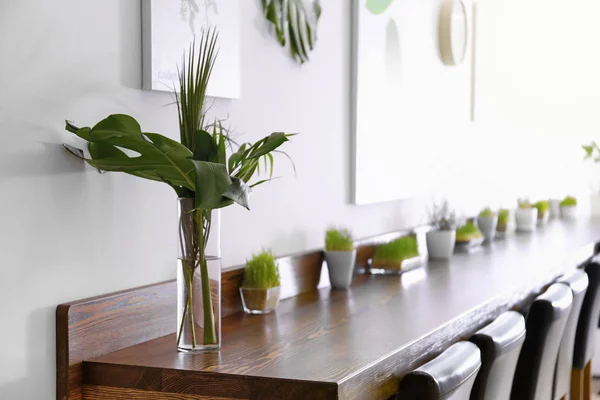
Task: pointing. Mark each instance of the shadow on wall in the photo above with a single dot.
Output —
(39, 352)
(130, 49)
(40, 161)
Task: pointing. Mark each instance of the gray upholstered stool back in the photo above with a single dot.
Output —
(588, 321)
(500, 343)
(577, 281)
(545, 326)
(450, 376)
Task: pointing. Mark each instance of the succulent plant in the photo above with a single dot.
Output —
(442, 217)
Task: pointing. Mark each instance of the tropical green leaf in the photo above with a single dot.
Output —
(269, 144)
(119, 124)
(239, 192)
(159, 159)
(205, 148)
(261, 182)
(294, 19)
(212, 181)
(236, 157)
(221, 151)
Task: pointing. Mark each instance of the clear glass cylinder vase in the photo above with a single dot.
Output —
(198, 279)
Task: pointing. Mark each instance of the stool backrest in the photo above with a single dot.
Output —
(577, 281)
(449, 376)
(588, 320)
(545, 326)
(500, 343)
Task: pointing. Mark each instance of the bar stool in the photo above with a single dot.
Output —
(581, 374)
(577, 281)
(545, 326)
(500, 343)
(449, 376)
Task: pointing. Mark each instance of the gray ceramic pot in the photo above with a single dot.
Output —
(487, 225)
(340, 265)
(440, 244)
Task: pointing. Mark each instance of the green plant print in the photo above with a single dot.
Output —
(377, 7)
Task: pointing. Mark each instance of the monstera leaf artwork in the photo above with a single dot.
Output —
(378, 6)
(296, 22)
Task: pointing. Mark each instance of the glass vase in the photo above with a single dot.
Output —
(198, 279)
(260, 301)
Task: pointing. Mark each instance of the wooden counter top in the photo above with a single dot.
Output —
(354, 344)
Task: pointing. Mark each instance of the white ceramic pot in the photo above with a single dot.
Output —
(440, 244)
(554, 208)
(568, 212)
(487, 226)
(340, 265)
(543, 218)
(526, 219)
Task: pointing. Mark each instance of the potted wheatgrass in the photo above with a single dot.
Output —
(260, 290)
(340, 256)
(469, 235)
(503, 220)
(526, 216)
(568, 207)
(396, 257)
(488, 221)
(543, 208)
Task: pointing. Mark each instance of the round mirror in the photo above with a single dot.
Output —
(453, 32)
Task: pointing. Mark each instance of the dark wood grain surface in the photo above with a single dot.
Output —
(357, 343)
(93, 327)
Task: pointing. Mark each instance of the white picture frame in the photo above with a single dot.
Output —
(168, 29)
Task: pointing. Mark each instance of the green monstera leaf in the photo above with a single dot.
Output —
(295, 22)
(378, 6)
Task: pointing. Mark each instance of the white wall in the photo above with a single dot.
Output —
(68, 232)
(537, 96)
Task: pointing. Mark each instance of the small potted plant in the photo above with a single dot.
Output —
(469, 235)
(543, 214)
(441, 239)
(526, 216)
(261, 287)
(568, 207)
(503, 220)
(488, 222)
(396, 257)
(340, 256)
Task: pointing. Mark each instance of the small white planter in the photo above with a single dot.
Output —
(340, 265)
(543, 218)
(487, 226)
(568, 212)
(554, 208)
(526, 219)
(440, 244)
